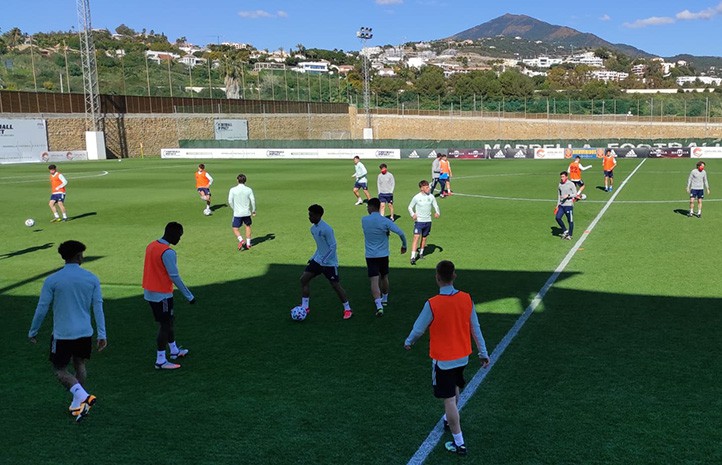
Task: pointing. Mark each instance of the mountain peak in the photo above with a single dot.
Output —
(526, 27)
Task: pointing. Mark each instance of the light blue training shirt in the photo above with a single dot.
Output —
(376, 234)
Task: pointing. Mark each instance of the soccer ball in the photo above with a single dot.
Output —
(207, 212)
(30, 222)
(584, 197)
(298, 313)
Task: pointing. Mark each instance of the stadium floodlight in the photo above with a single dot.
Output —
(366, 33)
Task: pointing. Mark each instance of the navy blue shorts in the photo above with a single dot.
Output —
(204, 190)
(422, 228)
(608, 174)
(579, 183)
(377, 266)
(386, 198)
(696, 194)
(163, 310)
(57, 197)
(330, 272)
(445, 382)
(239, 220)
(63, 350)
(361, 185)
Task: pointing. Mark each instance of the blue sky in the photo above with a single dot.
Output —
(662, 27)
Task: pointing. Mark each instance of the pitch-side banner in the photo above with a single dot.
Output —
(287, 154)
(231, 129)
(706, 152)
(22, 140)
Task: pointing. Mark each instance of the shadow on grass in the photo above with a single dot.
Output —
(601, 188)
(43, 275)
(218, 206)
(262, 239)
(430, 249)
(82, 215)
(556, 231)
(681, 211)
(35, 248)
(587, 341)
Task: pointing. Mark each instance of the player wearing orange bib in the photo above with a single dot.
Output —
(203, 186)
(57, 194)
(575, 175)
(608, 165)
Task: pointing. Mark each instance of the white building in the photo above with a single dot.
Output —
(192, 61)
(638, 70)
(542, 62)
(708, 80)
(416, 62)
(312, 67)
(587, 58)
(606, 75)
(157, 57)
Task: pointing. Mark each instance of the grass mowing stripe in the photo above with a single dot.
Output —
(433, 438)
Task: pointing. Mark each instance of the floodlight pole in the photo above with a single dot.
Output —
(365, 33)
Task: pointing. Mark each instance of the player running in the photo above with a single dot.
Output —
(361, 180)
(575, 175)
(567, 194)
(420, 211)
(203, 186)
(57, 194)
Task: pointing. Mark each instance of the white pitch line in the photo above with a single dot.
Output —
(433, 438)
(529, 199)
(45, 179)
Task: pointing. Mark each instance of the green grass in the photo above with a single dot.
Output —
(620, 363)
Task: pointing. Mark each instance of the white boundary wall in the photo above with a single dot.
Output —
(289, 154)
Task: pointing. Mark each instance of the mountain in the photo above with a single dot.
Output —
(533, 29)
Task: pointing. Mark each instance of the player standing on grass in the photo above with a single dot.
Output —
(72, 291)
(203, 186)
(445, 176)
(435, 172)
(696, 184)
(452, 321)
(57, 194)
(160, 272)
(324, 261)
(376, 230)
(243, 204)
(361, 180)
(420, 211)
(608, 165)
(565, 200)
(386, 184)
(575, 174)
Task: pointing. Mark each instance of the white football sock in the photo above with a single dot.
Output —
(458, 438)
(160, 357)
(304, 301)
(378, 303)
(79, 395)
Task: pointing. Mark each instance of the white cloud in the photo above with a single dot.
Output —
(256, 14)
(389, 2)
(685, 15)
(651, 21)
(605, 17)
(708, 13)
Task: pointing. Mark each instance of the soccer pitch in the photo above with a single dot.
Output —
(618, 364)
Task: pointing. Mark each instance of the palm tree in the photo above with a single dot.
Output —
(232, 71)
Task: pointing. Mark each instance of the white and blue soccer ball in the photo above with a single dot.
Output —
(30, 222)
(584, 197)
(207, 212)
(298, 313)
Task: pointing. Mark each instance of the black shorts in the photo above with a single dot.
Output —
(63, 350)
(163, 310)
(579, 183)
(377, 266)
(445, 382)
(239, 220)
(330, 272)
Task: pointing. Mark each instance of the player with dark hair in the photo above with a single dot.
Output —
(386, 184)
(71, 292)
(451, 319)
(420, 211)
(160, 272)
(376, 230)
(565, 205)
(575, 175)
(361, 180)
(57, 194)
(203, 186)
(243, 203)
(324, 261)
(608, 164)
(696, 184)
